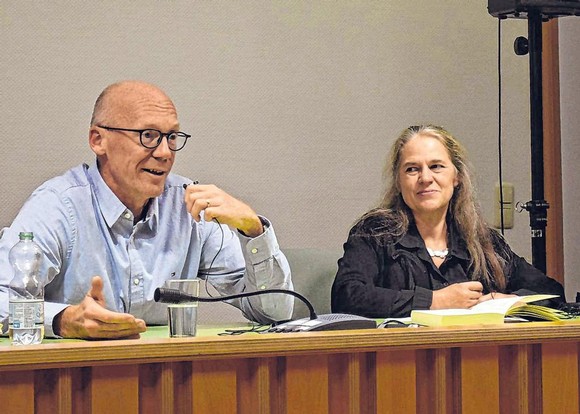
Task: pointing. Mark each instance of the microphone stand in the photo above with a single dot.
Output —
(167, 295)
(537, 207)
(535, 11)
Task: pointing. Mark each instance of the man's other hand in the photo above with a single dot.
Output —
(91, 320)
(216, 203)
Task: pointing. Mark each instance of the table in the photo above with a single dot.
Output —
(511, 368)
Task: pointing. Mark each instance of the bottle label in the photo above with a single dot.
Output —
(26, 314)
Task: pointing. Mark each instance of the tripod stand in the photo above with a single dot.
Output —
(536, 11)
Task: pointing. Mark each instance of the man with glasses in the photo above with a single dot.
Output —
(114, 231)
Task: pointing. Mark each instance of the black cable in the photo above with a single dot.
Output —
(208, 272)
(501, 218)
(256, 328)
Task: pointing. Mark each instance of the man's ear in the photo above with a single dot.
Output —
(96, 141)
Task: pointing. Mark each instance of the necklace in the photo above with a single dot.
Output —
(442, 254)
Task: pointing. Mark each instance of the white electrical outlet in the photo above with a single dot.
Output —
(508, 206)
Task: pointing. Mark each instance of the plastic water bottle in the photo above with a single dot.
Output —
(26, 302)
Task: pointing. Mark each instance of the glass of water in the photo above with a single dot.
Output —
(183, 316)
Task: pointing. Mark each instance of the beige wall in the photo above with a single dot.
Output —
(292, 104)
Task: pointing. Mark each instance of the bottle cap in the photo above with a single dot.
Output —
(26, 235)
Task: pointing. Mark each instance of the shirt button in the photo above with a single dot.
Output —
(254, 250)
(136, 281)
(262, 287)
(127, 215)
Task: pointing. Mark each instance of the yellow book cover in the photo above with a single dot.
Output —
(490, 312)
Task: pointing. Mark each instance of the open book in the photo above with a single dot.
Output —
(491, 312)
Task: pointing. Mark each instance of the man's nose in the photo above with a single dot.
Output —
(162, 150)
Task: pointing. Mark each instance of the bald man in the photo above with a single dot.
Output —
(115, 230)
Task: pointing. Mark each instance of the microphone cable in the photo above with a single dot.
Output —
(208, 272)
(499, 136)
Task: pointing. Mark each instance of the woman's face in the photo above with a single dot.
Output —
(427, 177)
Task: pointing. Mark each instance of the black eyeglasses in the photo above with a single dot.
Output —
(151, 138)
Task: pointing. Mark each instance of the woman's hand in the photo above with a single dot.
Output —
(458, 295)
(495, 295)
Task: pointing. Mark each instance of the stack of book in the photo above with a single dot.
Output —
(495, 311)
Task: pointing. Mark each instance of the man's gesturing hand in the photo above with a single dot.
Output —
(91, 320)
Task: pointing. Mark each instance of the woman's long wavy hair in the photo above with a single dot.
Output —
(463, 212)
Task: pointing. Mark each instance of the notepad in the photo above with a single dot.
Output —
(491, 312)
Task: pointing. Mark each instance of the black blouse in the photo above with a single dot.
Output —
(379, 278)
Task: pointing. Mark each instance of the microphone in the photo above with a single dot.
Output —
(166, 295)
(314, 322)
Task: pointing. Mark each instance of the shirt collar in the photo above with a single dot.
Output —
(457, 246)
(412, 240)
(109, 204)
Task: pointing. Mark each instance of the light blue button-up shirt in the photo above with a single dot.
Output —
(85, 231)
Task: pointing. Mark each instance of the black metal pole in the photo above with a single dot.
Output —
(538, 206)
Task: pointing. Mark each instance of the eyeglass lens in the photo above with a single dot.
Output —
(151, 138)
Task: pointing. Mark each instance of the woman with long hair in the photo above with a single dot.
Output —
(426, 245)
